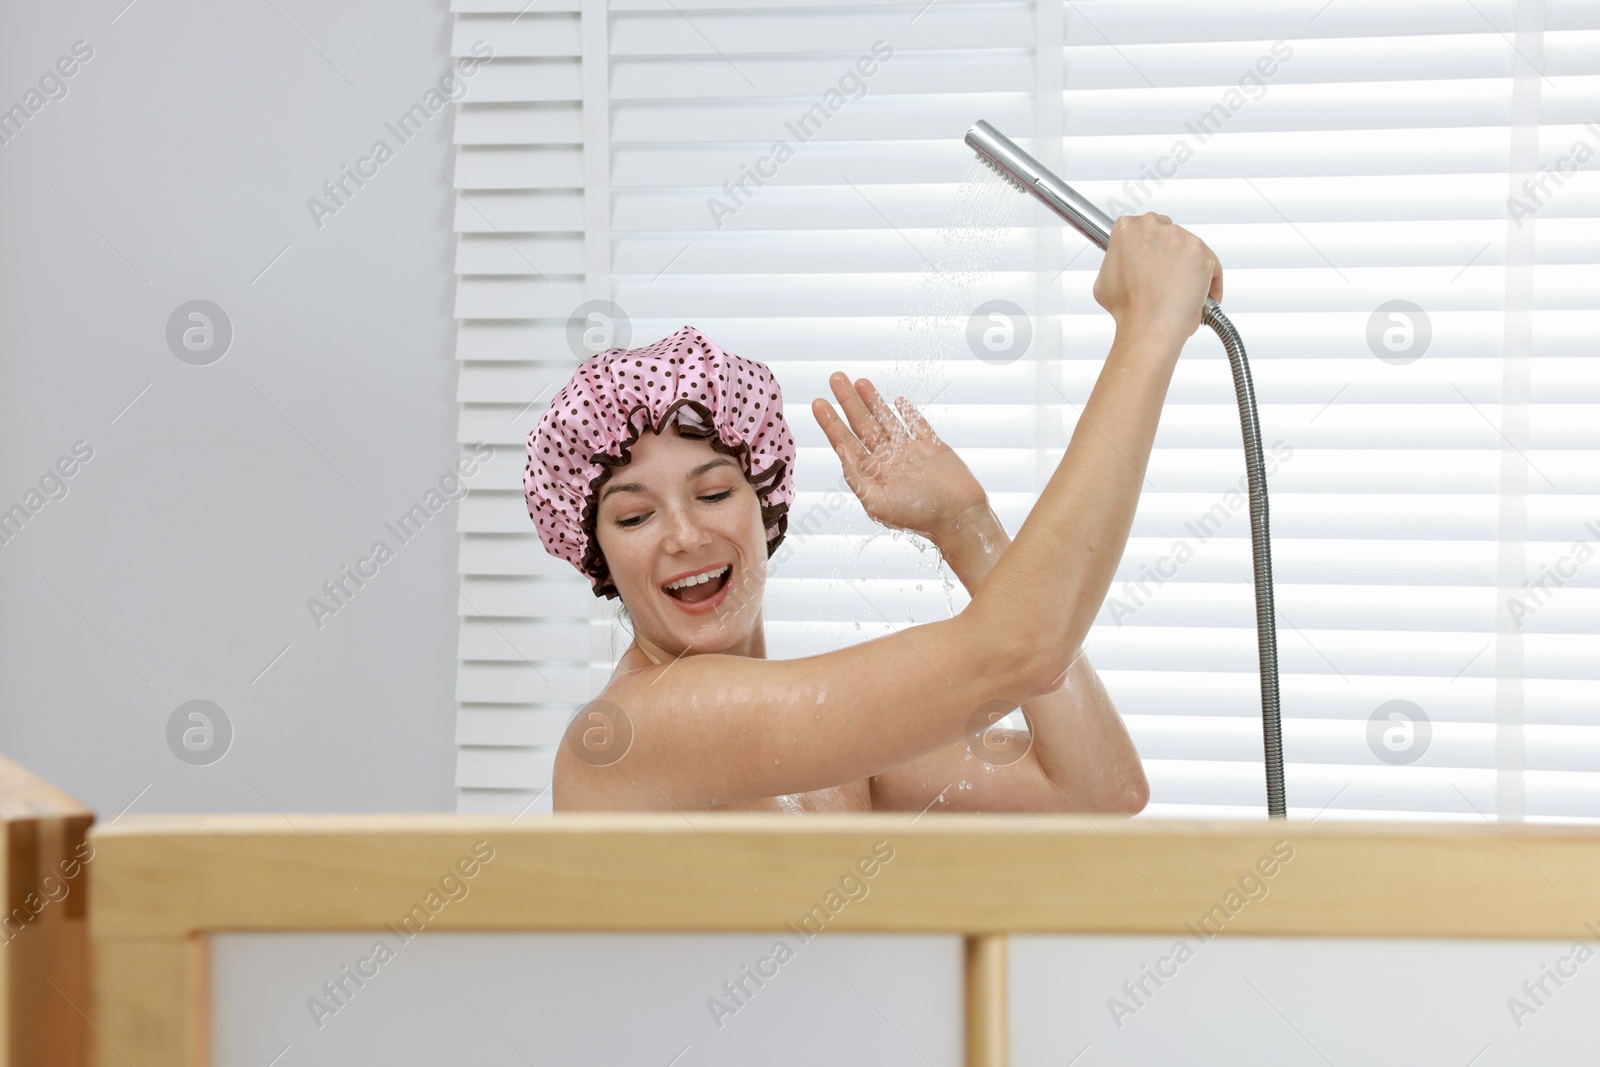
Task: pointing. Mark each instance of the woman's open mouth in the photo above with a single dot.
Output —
(701, 589)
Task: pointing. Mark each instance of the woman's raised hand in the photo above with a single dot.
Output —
(903, 474)
(1156, 277)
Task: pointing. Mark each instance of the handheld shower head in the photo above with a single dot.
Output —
(1024, 173)
(1001, 155)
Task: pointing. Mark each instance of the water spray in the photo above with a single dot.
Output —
(1025, 174)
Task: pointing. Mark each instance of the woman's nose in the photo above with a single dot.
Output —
(683, 533)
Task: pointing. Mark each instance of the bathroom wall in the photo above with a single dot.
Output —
(188, 485)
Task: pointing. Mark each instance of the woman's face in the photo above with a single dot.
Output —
(682, 510)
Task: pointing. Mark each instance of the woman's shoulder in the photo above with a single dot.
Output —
(631, 670)
(636, 670)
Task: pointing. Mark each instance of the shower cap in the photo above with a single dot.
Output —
(613, 397)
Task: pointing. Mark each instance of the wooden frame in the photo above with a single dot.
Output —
(164, 883)
(44, 934)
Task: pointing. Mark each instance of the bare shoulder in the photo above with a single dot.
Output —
(709, 728)
(591, 771)
(607, 751)
(605, 757)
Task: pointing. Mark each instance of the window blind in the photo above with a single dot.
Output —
(1421, 329)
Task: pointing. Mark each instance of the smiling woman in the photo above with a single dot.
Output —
(665, 474)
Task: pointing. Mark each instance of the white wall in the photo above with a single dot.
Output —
(179, 563)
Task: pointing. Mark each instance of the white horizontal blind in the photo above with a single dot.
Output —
(1371, 167)
(1371, 164)
(525, 259)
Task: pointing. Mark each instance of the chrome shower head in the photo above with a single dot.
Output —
(1005, 175)
(1025, 174)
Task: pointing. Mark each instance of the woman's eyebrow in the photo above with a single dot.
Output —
(720, 461)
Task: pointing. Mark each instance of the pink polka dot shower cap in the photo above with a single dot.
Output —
(613, 397)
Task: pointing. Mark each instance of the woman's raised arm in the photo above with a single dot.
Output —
(710, 729)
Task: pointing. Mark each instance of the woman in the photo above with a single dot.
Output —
(665, 475)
